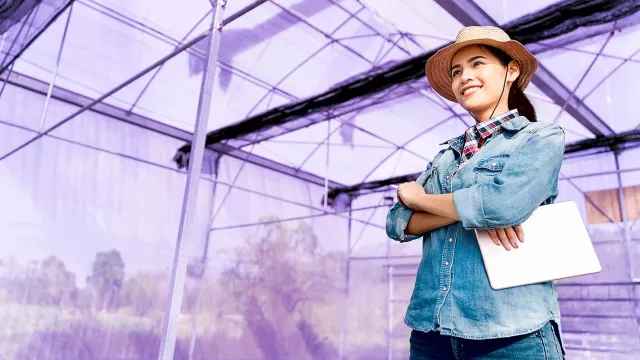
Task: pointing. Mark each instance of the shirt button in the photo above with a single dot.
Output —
(446, 263)
(450, 240)
(494, 164)
(444, 288)
(448, 177)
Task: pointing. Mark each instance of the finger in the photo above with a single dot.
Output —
(494, 237)
(503, 239)
(511, 234)
(519, 232)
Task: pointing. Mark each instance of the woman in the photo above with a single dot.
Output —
(491, 177)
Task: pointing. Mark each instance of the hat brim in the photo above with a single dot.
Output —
(439, 73)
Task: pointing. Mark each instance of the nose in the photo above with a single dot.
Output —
(466, 76)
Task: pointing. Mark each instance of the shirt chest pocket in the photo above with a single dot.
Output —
(486, 169)
(429, 183)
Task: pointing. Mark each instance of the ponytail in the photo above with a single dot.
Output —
(518, 100)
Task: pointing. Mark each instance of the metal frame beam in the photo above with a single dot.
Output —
(349, 49)
(159, 35)
(111, 92)
(240, 132)
(69, 97)
(469, 13)
(388, 39)
(626, 226)
(213, 180)
(31, 15)
(305, 217)
(52, 82)
(562, 41)
(320, 31)
(366, 188)
(188, 214)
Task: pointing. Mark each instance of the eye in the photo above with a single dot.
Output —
(455, 73)
(477, 63)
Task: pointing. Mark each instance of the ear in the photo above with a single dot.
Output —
(514, 71)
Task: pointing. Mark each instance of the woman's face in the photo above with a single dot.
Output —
(478, 78)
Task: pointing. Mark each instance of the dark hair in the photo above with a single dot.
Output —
(517, 98)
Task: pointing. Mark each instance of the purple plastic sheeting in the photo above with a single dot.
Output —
(22, 21)
(90, 212)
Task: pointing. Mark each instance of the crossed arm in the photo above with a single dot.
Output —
(500, 206)
(435, 211)
(423, 222)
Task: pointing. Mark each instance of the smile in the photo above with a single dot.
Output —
(470, 90)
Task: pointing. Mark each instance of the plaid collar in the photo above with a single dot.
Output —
(476, 135)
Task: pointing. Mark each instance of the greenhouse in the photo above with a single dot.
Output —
(211, 179)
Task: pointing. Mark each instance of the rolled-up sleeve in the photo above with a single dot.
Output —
(399, 215)
(397, 221)
(525, 182)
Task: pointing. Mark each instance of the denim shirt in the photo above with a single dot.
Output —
(514, 172)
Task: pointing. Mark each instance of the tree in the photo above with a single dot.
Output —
(106, 279)
(45, 282)
(145, 293)
(56, 282)
(278, 276)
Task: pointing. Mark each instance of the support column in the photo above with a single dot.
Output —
(55, 70)
(187, 218)
(390, 307)
(345, 322)
(390, 310)
(626, 233)
(215, 165)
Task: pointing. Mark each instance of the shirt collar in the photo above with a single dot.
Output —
(515, 124)
(486, 128)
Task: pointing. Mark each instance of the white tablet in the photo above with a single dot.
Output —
(556, 246)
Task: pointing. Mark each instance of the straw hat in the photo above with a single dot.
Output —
(438, 66)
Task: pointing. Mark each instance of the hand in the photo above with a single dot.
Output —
(507, 237)
(397, 195)
(409, 193)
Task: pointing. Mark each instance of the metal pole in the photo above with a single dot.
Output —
(187, 218)
(242, 11)
(17, 38)
(55, 70)
(204, 178)
(369, 258)
(566, 101)
(8, 52)
(109, 93)
(390, 325)
(345, 323)
(155, 74)
(203, 263)
(335, 213)
(326, 166)
(625, 222)
(609, 172)
(157, 34)
(390, 317)
(591, 201)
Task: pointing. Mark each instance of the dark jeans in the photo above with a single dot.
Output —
(542, 344)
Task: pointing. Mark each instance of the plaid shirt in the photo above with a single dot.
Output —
(476, 135)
